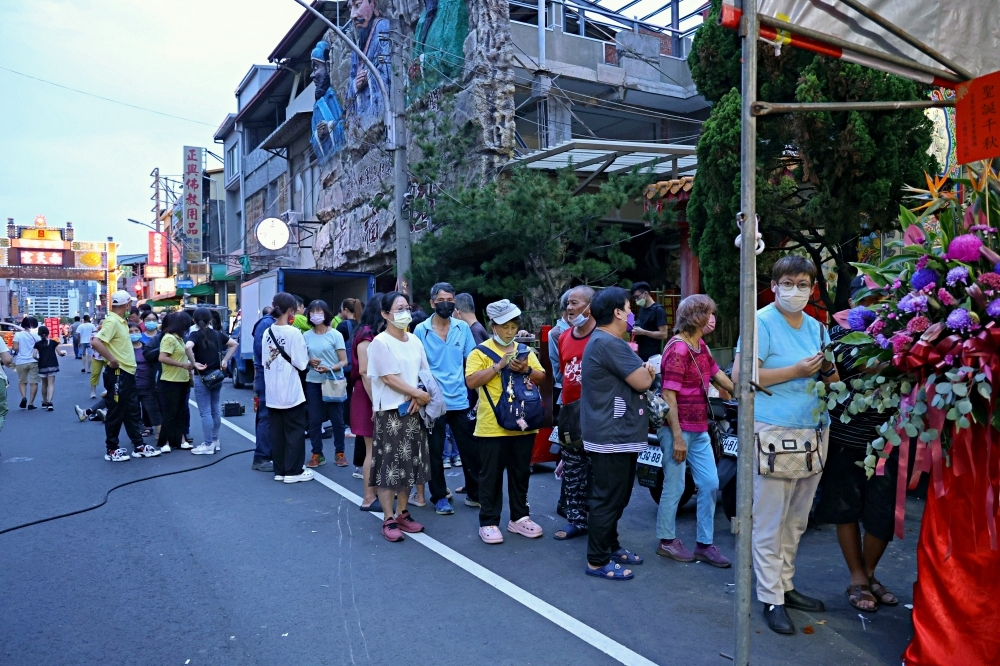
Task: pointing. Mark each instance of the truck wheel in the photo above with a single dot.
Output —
(238, 378)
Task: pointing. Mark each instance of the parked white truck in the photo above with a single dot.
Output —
(257, 293)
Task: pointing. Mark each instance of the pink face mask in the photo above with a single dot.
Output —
(630, 321)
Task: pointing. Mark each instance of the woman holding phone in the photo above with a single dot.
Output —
(400, 456)
(501, 449)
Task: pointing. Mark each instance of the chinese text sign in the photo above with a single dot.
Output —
(978, 119)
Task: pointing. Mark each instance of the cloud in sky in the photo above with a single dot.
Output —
(74, 158)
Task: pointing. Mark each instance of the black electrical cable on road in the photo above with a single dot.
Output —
(122, 485)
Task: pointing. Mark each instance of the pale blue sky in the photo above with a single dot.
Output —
(72, 157)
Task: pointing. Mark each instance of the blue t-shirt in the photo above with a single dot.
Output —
(324, 347)
(446, 359)
(779, 346)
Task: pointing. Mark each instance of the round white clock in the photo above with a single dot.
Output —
(272, 233)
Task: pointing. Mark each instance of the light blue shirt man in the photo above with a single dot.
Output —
(779, 346)
(446, 359)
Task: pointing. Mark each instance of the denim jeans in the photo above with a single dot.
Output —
(208, 407)
(319, 412)
(262, 428)
(706, 478)
(450, 447)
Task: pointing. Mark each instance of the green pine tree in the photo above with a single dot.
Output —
(823, 179)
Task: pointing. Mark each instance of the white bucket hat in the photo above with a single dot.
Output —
(502, 312)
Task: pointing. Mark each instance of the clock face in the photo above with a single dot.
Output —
(272, 233)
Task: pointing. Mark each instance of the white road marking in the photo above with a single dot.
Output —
(562, 620)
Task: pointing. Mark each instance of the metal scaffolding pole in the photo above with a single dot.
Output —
(743, 523)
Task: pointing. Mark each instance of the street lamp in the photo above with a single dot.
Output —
(180, 249)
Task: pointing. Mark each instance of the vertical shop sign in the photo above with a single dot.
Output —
(978, 119)
(157, 249)
(192, 197)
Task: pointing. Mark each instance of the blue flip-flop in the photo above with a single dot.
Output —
(625, 557)
(616, 570)
(571, 531)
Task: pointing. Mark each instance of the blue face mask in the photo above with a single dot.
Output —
(150, 326)
(135, 337)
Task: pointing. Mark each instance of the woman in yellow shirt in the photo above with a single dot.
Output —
(501, 449)
(175, 377)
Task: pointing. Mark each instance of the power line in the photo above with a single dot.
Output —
(107, 99)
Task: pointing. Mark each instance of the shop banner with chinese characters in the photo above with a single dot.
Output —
(977, 109)
(157, 249)
(192, 197)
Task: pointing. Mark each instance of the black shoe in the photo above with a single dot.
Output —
(777, 619)
(32, 407)
(801, 602)
(263, 466)
(24, 403)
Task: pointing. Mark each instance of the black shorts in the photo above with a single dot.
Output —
(848, 496)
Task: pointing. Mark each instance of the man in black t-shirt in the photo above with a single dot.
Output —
(650, 328)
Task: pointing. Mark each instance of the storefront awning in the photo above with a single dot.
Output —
(590, 156)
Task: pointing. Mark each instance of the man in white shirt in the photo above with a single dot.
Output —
(25, 361)
(284, 356)
(85, 332)
(5, 359)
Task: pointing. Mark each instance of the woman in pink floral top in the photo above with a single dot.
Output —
(687, 368)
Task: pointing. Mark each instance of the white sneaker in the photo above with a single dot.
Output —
(306, 475)
(165, 448)
(447, 463)
(118, 455)
(217, 445)
(357, 473)
(348, 434)
(146, 451)
(278, 477)
(80, 414)
(203, 449)
(187, 446)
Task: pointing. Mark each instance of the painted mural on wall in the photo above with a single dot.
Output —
(454, 50)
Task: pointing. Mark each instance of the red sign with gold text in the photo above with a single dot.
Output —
(977, 121)
(157, 249)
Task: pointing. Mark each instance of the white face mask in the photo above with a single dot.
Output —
(791, 300)
(503, 343)
(579, 320)
(401, 320)
(317, 318)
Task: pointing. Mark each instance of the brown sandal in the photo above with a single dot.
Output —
(881, 592)
(858, 593)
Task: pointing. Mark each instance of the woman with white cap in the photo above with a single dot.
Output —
(502, 449)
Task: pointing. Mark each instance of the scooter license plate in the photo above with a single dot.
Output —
(730, 445)
(652, 456)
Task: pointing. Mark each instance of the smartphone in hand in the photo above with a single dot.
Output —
(404, 408)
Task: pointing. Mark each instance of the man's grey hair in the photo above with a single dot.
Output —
(441, 286)
(564, 300)
(587, 292)
(464, 303)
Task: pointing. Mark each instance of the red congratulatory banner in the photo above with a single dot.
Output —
(157, 249)
(978, 119)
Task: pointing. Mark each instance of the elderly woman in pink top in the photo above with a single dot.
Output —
(687, 368)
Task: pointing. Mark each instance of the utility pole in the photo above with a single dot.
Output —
(743, 523)
(401, 181)
(155, 173)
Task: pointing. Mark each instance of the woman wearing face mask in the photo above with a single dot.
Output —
(150, 324)
(145, 383)
(204, 349)
(400, 456)
(327, 358)
(502, 449)
(789, 351)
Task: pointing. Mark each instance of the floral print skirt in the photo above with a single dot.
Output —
(400, 457)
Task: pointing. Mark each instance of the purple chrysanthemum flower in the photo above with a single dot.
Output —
(993, 309)
(882, 341)
(959, 320)
(923, 278)
(859, 318)
(945, 297)
(912, 303)
(965, 248)
(956, 275)
(996, 269)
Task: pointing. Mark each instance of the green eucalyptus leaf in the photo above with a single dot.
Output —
(878, 444)
(984, 390)
(920, 408)
(963, 422)
(965, 406)
(944, 389)
(952, 414)
(911, 431)
(961, 390)
(905, 388)
(856, 338)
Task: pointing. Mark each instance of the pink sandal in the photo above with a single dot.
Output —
(525, 527)
(490, 534)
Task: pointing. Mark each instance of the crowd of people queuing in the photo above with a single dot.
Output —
(422, 393)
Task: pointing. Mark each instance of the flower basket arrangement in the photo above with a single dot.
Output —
(931, 349)
(933, 345)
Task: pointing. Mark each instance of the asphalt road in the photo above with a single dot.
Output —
(225, 566)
